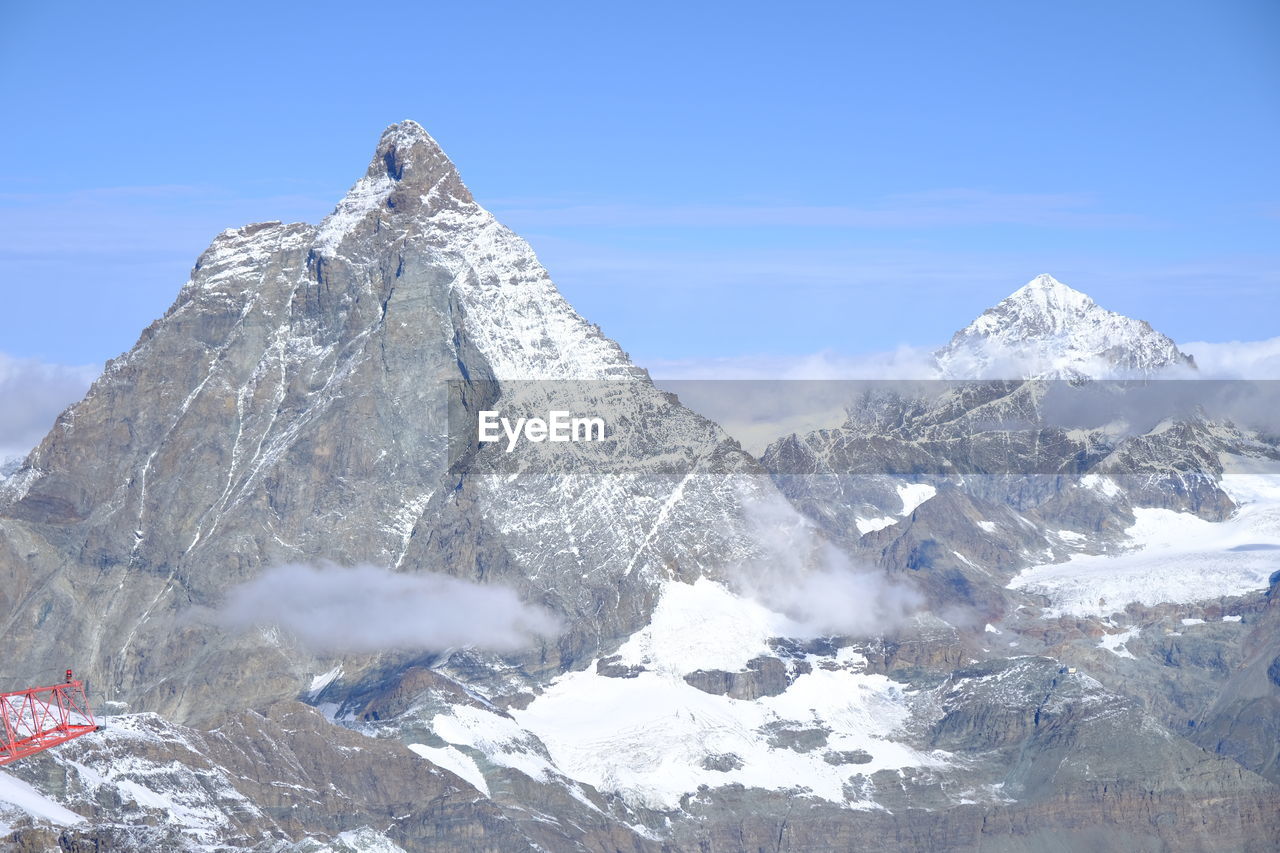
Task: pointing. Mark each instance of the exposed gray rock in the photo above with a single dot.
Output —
(764, 676)
(258, 780)
(724, 762)
(1243, 719)
(799, 740)
(610, 667)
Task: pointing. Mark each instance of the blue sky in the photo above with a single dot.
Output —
(722, 181)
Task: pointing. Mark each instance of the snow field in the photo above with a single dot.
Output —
(1175, 557)
(649, 738)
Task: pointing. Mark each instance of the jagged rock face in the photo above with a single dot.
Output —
(1049, 329)
(1006, 489)
(294, 404)
(1039, 742)
(1243, 721)
(284, 779)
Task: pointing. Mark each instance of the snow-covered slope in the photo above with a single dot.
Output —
(18, 798)
(654, 738)
(281, 781)
(1176, 557)
(1016, 433)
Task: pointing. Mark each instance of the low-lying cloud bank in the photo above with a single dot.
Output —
(1237, 359)
(335, 610)
(758, 399)
(1215, 360)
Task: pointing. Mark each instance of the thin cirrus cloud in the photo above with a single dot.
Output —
(904, 362)
(758, 399)
(938, 208)
(133, 220)
(163, 218)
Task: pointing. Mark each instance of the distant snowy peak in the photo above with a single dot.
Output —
(1049, 329)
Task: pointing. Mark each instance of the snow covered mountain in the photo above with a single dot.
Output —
(731, 671)
(312, 395)
(1068, 462)
(1048, 329)
(1126, 528)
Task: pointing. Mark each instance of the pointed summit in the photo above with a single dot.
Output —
(408, 156)
(409, 175)
(1046, 328)
(1052, 296)
(1041, 305)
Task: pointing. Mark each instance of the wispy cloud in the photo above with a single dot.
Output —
(32, 395)
(940, 208)
(334, 610)
(904, 362)
(990, 274)
(758, 399)
(136, 221)
(781, 268)
(802, 575)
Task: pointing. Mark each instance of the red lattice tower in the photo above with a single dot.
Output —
(40, 717)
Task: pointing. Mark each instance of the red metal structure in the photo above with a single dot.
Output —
(41, 717)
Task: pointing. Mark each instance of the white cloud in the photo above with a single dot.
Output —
(32, 395)
(816, 585)
(331, 609)
(1237, 359)
(761, 398)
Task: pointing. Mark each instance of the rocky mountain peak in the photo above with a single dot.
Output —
(1046, 328)
(408, 155)
(305, 398)
(409, 178)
